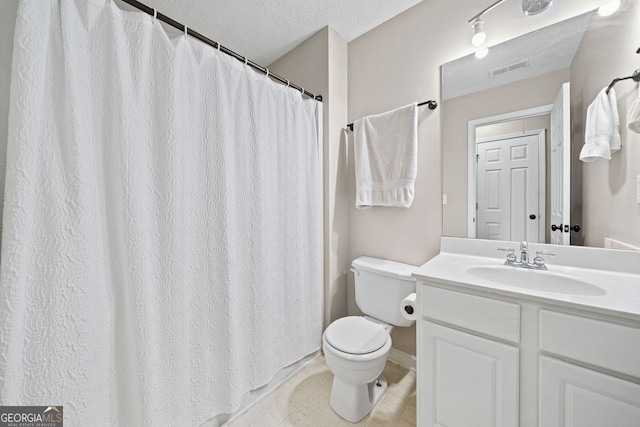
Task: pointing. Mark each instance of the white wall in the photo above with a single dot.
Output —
(398, 63)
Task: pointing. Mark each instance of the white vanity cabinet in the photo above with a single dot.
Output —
(471, 381)
(574, 396)
(488, 359)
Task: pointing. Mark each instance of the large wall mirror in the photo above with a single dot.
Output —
(513, 126)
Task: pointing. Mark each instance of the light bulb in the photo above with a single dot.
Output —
(481, 53)
(479, 36)
(609, 8)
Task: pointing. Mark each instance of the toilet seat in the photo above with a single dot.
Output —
(356, 335)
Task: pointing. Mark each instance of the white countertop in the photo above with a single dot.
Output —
(620, 294)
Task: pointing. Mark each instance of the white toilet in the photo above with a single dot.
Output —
(356, 347)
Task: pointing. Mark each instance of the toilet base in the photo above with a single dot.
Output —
(354, 402)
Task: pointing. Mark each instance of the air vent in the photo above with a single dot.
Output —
(496, 72)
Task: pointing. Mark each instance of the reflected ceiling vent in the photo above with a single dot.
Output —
(497, 72)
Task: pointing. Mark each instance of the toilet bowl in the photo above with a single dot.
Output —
(356, 348)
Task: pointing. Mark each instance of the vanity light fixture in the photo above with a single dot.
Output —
(482, 52)
(609, 8)
(479, 36)
(529, 7)
(534, 7)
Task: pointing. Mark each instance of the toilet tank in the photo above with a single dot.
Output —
(380, 286)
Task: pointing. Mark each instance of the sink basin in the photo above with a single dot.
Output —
(536, 280)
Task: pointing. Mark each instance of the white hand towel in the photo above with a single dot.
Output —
(633, 118)
(386, 152)
(602, 134)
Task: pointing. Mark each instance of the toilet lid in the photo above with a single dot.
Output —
(356, 335)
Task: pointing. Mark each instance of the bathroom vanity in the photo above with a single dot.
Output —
(506, 346)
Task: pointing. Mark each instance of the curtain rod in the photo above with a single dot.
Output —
(432, 106)
(164, 18)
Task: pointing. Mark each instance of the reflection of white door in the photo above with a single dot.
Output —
(560, 168)
(508, 185)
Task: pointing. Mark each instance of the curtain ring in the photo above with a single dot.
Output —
(155, 14)
(267, 72)
(245, 60)
(218, 45)
(185, 31)
(302, 91)
(287, 83)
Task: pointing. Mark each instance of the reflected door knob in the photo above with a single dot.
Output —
(576, 228)
(556, 227)
(532, 216)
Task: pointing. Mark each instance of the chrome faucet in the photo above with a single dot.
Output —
(523, 262)
(524, 252)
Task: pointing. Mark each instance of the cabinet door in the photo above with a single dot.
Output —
(572, 396)
(467, 380)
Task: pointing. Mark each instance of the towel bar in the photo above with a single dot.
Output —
(432, 106)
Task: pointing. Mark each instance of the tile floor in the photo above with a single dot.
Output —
(304, 401)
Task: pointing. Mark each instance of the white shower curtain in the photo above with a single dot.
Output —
(162, 240)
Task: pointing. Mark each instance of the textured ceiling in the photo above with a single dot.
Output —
(548, 49)
(264, 30)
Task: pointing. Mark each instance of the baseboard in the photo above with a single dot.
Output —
(403, 359)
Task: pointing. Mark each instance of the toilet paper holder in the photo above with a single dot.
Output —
(409, 307)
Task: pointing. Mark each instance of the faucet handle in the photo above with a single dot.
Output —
(511, 257)
(524, 246)
(539, 261)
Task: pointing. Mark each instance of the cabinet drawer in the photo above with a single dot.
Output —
(491, 317)
(607, 345)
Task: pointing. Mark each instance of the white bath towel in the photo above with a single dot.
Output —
(602, 134)
(386, 151)
(633, 118)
